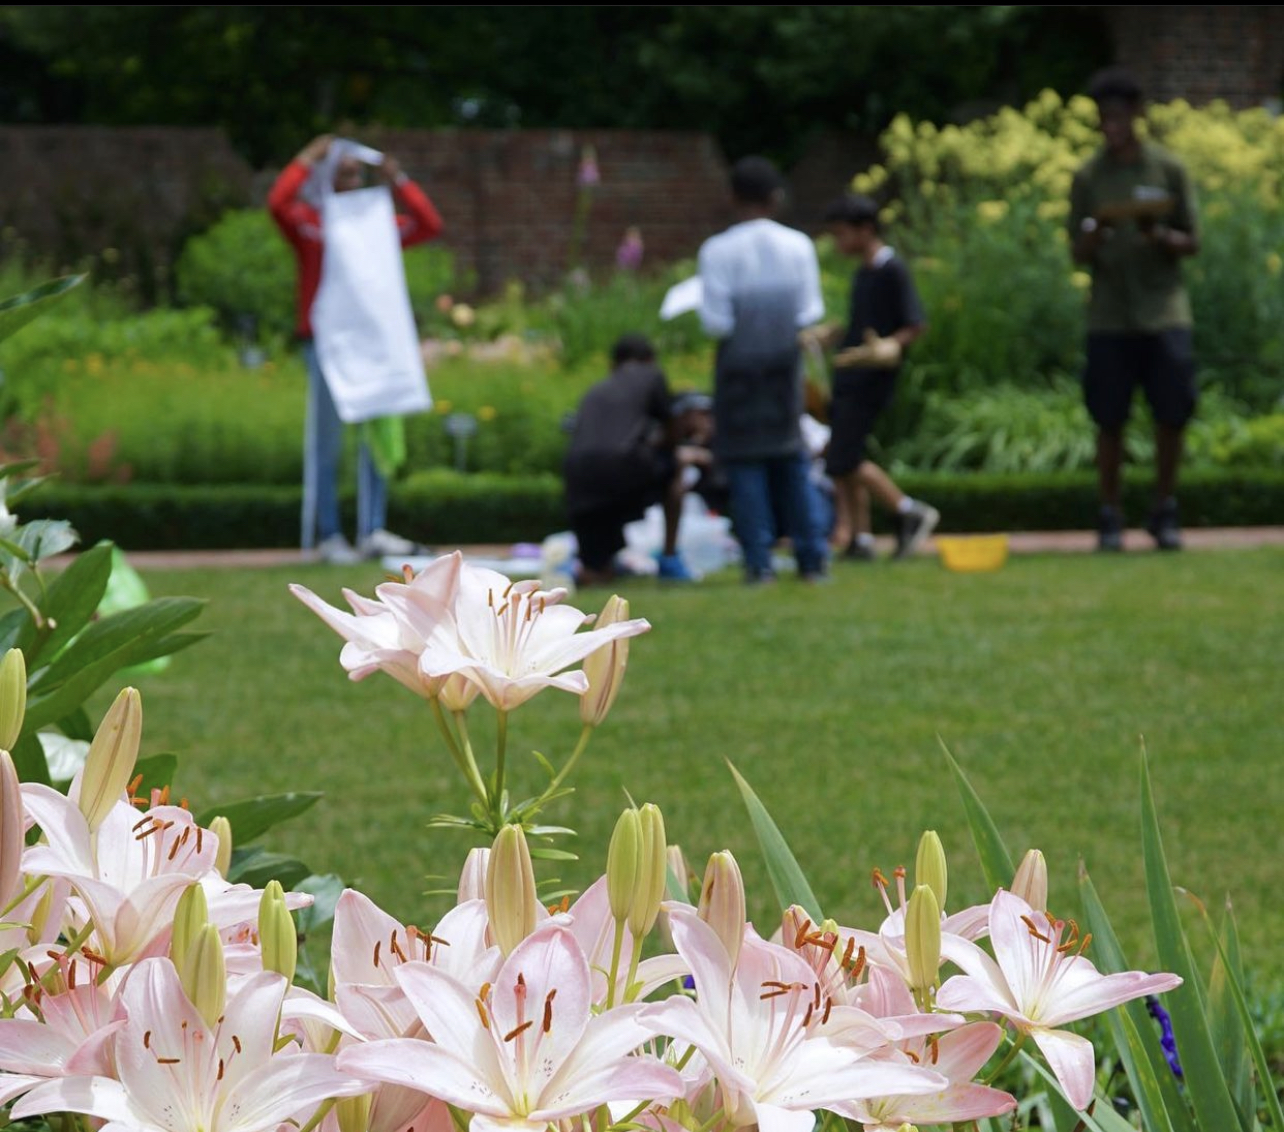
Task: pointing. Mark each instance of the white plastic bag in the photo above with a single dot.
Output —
(365, 333)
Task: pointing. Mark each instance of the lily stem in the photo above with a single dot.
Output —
(616, 948)
(585, 736)
(462, 760)
(470, 760)
(501, 751)
(321, 1113)
(1007, 1059)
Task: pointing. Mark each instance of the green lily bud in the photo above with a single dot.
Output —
(12, 834)
(929, 866)
(110, 763)
(204, 976)
(354, 1112)
(472, 877)
(1031, 881)
(13, 697)
(624, 864)
(653, 867)
(605, 667)
(511, 900)
(190, 917)
(221, 828)
(722, 902)
(923, 938)
(40, 916)
(278, 940)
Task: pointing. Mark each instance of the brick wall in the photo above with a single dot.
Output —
(508, 197)
(72, 191)
(1202, 52)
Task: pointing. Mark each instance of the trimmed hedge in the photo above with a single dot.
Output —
(442, 508)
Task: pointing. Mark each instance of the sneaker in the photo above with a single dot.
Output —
(384, 544)
(1164, 527)
(915, 526)
(760, 577)
(1110, 534)
(673, 569)
(820, 577)
(857, 551)
(338, 551)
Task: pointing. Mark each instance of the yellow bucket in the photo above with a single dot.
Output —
(972, 553)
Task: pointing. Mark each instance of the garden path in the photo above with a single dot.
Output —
(1026, 542)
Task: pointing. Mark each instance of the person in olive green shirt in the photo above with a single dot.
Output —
(1132, 221)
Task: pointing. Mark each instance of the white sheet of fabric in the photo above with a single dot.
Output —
(362, 323)
(682, 297)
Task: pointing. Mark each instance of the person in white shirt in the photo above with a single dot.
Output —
(760, 287)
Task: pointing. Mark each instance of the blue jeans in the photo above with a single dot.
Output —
(322, 457)
(754, 485)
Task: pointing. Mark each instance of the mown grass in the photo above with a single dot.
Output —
(1043, 680)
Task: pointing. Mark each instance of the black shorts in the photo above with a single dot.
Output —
(858, 400)
(1162, 363)
(603, 495)
(600, 533)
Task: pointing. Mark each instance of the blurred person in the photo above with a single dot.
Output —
(295, 204)
(760, 285)
(885, 318)
(1132, 221)
(627, 453)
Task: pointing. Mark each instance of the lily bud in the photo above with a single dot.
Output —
(39, 916)
(511, 900)
(923, 938)
(190, 917)
(1031, 881)
(457, 692)
(652, 868)
(13, 697)
(110, 763)
(722, 902)
(929, 866)
(678, 871)
(204, 976)
(354, 1113)
(472, 878)
(221, 828)
(624, 864)
(12, 833)
(605, 667)
(278, 940)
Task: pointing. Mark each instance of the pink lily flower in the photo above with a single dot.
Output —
(751, 1023)
(523, 1051)
(1040, 984)
(514, 639)
(959, 1056)
(175, 1074)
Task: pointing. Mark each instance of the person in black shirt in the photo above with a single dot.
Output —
(886, 317)
(625, 456)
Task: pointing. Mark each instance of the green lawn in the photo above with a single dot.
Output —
(1043, 679)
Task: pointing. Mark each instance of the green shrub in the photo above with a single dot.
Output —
(443, 508)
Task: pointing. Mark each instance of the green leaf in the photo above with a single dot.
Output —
(258, 867)
(43, 538)
(1203, 1073)
(76, 725)
(1223, 1019)
(255, 816)
(15, 628)
(1228, 960)
(786, 876)
(543, 853)
(157, 771)
(19, 310)
(13, 498)
(325, 892)
(7, 471)
(104, 647)
(167, 646)
(1153, 1085)
(29, 760)
(1103, 1119)
(996, 864)
(73, 597)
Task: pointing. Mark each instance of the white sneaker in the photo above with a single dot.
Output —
(337, 551)
(384, 544)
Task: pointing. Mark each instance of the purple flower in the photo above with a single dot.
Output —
(628, 256)
(588, 175)
(1166, 1039)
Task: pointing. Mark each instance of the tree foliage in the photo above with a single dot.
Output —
(759, 77)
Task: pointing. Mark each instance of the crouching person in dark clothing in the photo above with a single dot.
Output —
(625, 455)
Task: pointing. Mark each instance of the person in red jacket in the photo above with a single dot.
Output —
(293, 206)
